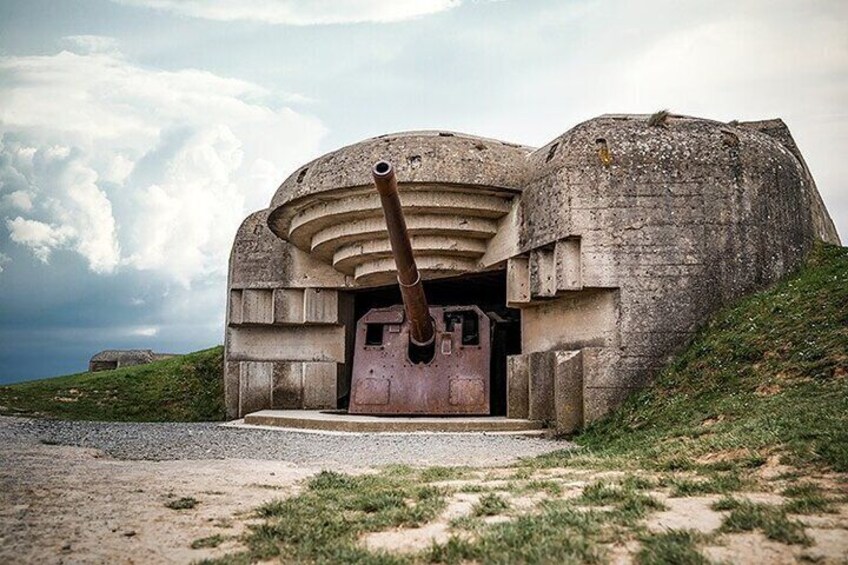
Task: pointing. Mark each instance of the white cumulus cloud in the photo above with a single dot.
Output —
(137, 168)
(19, 199)
(38, 236)
(300, 12)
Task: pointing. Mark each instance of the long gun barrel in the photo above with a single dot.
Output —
(421, 332)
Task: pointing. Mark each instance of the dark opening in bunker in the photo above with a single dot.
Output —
(487, 291)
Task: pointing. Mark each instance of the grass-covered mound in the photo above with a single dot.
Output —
(766, 377)
(189, 388)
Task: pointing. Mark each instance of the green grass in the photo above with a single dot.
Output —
(767, 375)
(490, 505)
(713, 483)
(746, 516)
(626, 498)
(558, 534)
(432, 474)
(553, 488)
(806, 498)
(678, 547)
(183, 389)
(323, 523)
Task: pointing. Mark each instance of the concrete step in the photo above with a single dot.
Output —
(337, 421)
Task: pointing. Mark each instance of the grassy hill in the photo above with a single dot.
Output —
(766, 377)
(183, 389)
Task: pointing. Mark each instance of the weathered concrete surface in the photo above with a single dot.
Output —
(418, 157)
(681, 219)
(618, 238)
(568, 390)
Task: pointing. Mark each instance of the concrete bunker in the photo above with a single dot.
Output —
(111, 359)
(597, 256)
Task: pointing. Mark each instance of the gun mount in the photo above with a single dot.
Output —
(415, 358)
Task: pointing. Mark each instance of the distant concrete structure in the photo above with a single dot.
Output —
(598, 255)
(110, 359)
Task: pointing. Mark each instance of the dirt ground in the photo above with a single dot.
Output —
(61, 504)
(71, 505)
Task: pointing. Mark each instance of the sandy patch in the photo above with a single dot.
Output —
(831, 545)
(68, 504)
(773, 468)
(690, 513)
(408, 540)
(760, 497)
(751, 548)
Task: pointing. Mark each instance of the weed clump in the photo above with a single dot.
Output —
(629, 502)
(673, 546)
(433, 474)
(658, 119)
(719, 483)
(806, 498)
(490, 505)
(207, 542)
(746, 516)
(184, 503)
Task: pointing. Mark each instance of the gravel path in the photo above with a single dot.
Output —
(173, 441)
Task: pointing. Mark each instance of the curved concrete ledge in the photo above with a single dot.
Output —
(326, 421)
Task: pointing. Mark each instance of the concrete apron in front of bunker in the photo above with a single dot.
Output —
(340, 421)
(581, 267)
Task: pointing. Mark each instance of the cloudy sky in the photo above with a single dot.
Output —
(136, 134)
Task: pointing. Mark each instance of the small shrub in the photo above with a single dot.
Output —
(184, 503)
(207, 542)
(658, 119)
(326, 480)
(490, 505)
(433, 474)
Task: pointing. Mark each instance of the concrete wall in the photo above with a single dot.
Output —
(680, 220)
(618, 238)
(284, 345)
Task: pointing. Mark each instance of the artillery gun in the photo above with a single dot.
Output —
(413, 358)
